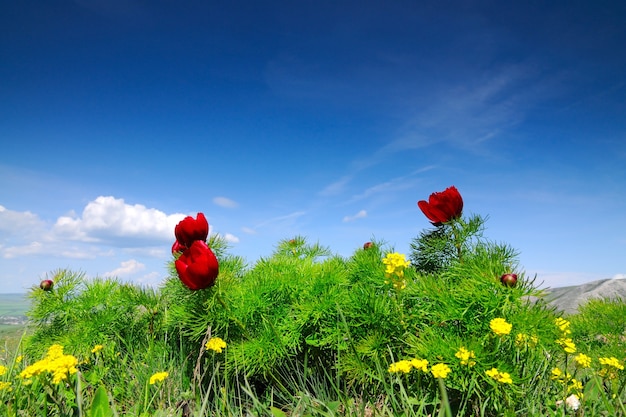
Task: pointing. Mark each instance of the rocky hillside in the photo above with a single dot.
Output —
(567, 299)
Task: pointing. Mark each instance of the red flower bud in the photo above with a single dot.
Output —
(190, 229)
(177, 247)
(197, 266)
(46, 285)
(442, 207)
(510, 280)
(367, 245)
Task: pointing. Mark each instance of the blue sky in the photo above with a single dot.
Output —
(324, 119)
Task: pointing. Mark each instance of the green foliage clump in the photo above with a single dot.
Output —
(308, 332)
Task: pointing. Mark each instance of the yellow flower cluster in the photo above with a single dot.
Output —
(3, 370)
(500, 326)
(563, 325)
(501, 377)
(405, 366)
(611, 362)
(59, 365)
(610, 366)
(582, 360)
(466, 356)
(215, 344)
(565, 378)
(158, 377)
(5, 386)
(524, 340)
(567, 344)
(394, 270)
(97, 348)
(440, 370)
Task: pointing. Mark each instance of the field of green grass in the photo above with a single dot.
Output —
(305, 332)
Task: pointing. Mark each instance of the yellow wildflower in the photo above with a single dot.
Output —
(420, 364)
(575, 385)
(19, 359)
(612, 361)
(158, 377)
(556, 373)
(440, 370)
(582, 360)
(5, 386)
(55, 363)
(563, 325)
(500, 326)
(3, 370)
(97, 348)
(501, 377)
(403, 366)
(466, 356)
(215, 344)
(567, 344)
(522, 340)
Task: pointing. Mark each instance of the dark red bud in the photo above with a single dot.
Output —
(510, 280)
(367, 245)
(46, 285)
(177, 247)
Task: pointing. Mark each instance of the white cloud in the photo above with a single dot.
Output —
(110, 219)
(225, 202)
(360, 215)
(33, 248)
(248, 230)
(20, 224)
(619, 276)
(129, 267)
(231, 238)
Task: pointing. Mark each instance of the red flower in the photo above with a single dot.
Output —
(197, 266)
(443, 206)
(177, 247)
(190, 229)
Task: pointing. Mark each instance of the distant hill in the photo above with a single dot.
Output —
(568, 299)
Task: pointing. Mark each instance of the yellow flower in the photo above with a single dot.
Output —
(563, 325)
(59, 365)
(420, 364)
(465, 356)
(575, 385)
(3, 370)
(158, 377)
(567, 344)
(403, 366)
(19, 359)
(440, 370)
(97, 348)
(612, 361)
(525, 340)
(215, 344)
(556, 373)
(395, 264)
(501, 377)
(5, 386)
(582, 360)
(500, 326)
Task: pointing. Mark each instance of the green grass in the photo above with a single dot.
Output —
(310, 333)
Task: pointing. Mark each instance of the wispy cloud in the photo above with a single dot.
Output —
(360, 215)
(289, 218)
(225, 202)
